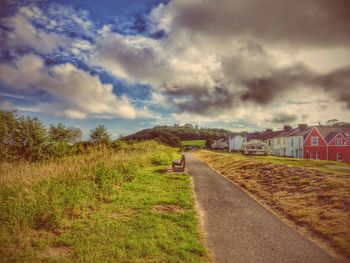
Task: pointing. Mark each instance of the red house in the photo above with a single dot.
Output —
(328, 143)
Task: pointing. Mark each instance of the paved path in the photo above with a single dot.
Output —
(240, 230)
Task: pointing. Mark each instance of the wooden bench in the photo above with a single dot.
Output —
(179, 166)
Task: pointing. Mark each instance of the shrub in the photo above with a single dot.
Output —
(160, 158)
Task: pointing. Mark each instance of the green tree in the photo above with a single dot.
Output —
(175, 142)
(8, 126)
(209, 142)
(61, 133)
(100, 135)
(30, 139)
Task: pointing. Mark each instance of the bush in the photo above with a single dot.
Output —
(58, 149)
(160, 158)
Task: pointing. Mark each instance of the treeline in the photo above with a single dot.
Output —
(173, 135)
(26, 138)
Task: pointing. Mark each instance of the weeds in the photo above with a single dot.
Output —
(68, 198)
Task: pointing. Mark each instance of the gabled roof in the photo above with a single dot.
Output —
(329, 132)
(346, 134)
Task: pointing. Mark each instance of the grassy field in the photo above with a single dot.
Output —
(312, 195)
(199, 143)
(103, 206)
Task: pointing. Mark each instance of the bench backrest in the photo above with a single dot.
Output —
(183, 160)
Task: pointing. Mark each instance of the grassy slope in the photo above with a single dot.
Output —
(100, 207)
(199, 143)
(313, 195)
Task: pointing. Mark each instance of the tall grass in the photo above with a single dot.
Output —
(44, 196)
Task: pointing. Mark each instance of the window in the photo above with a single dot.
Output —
(292, 142)
(317, 156)
(299, 141)
(314, 140)
(338, 141)
(339, 157)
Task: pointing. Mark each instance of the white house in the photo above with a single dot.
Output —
(235, 142)
(295, 141)
(290, 142)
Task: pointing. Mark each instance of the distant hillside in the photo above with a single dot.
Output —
(172, 135)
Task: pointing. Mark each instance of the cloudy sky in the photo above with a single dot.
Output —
(235, 64)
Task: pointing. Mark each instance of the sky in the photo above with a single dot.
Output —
(234, 64)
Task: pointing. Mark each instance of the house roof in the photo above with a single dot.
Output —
(329, 132)
(300, 132)
(265, 135)
(286, 133)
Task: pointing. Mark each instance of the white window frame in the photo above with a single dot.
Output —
(312, 140)
(339, 159)
(338, 141)
(318, 155)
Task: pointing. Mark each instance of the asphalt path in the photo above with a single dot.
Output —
(238, 229)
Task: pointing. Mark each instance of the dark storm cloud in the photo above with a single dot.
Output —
(284, 118)
(312, 22)
(201, 100)
(337, 83)
(263, 90)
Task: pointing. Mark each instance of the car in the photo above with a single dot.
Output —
(255, 148)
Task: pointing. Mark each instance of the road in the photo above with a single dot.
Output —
(238, 229)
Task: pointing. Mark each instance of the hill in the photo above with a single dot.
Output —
(173, 135)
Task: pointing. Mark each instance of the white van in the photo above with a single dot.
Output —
(255, 148)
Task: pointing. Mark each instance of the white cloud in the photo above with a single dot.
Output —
(23, 33)
(78, 93)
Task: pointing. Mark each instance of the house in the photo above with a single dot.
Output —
(235, 142)
(294, 141)
(268, 137)
(328, 143)
(280, 145)
(220, 144)
(339, 147)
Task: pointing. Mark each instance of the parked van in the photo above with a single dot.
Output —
(255, 148)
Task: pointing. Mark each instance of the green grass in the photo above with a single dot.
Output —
(104, 206)
(199, 143)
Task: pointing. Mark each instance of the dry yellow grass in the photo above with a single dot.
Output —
(311, 198)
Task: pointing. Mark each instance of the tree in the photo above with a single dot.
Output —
(209, 142)
(21, 137)
(175, 142)
(29, 138)
(8, 126)
(61, 133)
(332, 122)
(100, 135)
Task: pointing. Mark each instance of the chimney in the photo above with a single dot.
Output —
(302, 126)
(287, 127)
(269, 130)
